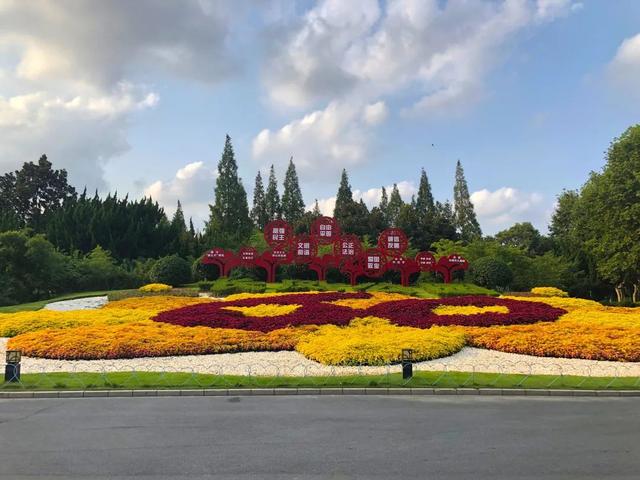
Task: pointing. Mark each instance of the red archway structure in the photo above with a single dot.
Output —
(347, 254)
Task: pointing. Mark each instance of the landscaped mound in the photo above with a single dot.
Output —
(340, 308)
(333, 328)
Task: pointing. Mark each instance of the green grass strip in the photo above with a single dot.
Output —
(165, 380)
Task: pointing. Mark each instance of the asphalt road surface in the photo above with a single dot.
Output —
(369, 437)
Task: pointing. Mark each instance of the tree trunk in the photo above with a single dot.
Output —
(636, 292)
(620, 292)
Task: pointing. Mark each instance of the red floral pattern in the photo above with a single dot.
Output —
(315, 309)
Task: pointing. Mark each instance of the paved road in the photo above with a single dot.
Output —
(320, 437)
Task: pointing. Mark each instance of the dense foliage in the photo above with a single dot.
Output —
(56, 240)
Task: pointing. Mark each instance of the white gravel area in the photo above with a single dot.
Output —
(287, 363)
(77, 304)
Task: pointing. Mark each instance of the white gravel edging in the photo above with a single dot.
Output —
(288, 363)
(87, 303)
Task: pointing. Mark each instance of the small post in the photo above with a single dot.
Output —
(407, 363)
(12, 368)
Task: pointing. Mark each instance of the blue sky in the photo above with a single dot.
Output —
(138, 97)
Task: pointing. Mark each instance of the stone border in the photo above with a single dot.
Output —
(235, 392)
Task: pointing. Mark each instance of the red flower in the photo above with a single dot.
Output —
(315, 309)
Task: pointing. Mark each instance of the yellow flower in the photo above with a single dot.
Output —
(265, 310)
(468, 309)
(549, 292)
(376, 298)
(155, 287)
(374, 341)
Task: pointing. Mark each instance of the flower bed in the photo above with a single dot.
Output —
(330, 327)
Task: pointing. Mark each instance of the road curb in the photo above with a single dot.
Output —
(234, 392)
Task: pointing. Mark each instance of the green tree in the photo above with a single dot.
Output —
(272, 197)
(344, 199)
(609, 214)
(394, 207)
(524, 236)
(292, 202)
(465, 216)
(490, 272)
(259, 213)
(384, 206)
(425, 206)
(30, 194)
(229, 223)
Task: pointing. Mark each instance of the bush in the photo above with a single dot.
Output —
(490, 272)
(172, 270)
(548, 292)
(224, 286)
(200, 271)
(155, 287)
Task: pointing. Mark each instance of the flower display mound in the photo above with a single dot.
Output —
(374, 341)
(340, 308)
(591, 332)
(150, 339)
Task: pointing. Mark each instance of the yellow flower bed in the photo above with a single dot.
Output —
(123, 311)
(150, 339)
(549, 292)
(376, 298)
(593, 332)
(468, 310)
(560, 302)
(265, 310)
(125, 329)
(374, 341)
(155, 287)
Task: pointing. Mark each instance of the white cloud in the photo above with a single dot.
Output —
(371, 197)
(442, 51)
(324, 141)
(67, 70)
(551, 9)
(505, 206)
(375, 113)
(193, 185)
(624, 69)
(79, 133)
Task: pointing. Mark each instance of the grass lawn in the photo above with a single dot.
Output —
(41, 303)
(156, 380)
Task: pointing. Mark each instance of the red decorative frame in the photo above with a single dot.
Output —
(326, 230)
(348, 254)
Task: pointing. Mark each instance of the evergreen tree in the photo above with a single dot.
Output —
(177, 222)
(344, 200)
(465, 216)
(259, 213)
(443, 224)
(316, 210)
(272, 198)
(424, 204)
(384, 205)
(395, 204)
(229, 223)
(292, 203)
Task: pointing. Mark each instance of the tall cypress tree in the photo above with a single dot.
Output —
(292, 203)
(229, 223)
(384, 205)
(344, 200)
(464, 214)
(316, 210)
(272, 198)
(395, 204)
(424, 203)
(259, 213)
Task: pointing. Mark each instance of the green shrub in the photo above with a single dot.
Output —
(172, 270)
(491, 273)
(224, 286)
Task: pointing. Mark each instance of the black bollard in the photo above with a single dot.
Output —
(12, 368)
(407, 363)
